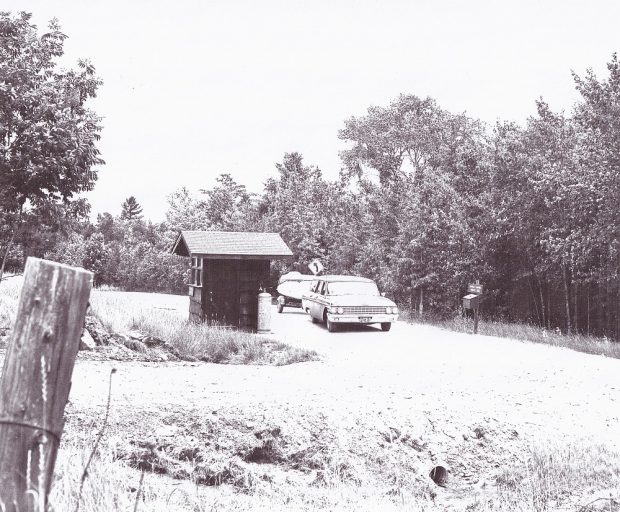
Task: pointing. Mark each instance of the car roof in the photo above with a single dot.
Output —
(338, 278)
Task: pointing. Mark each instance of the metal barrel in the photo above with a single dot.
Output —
(264, 313)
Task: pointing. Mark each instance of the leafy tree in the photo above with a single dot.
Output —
(598, 118)
(70, 250)
(303, 208)
(48, 137)
(131, 209)
(185, 211)
(223, 201)
(429, 204)
(390, 140)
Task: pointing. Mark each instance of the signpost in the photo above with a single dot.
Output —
(472, 301)
(476, 288)
(315, 267)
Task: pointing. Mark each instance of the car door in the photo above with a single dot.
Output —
(319, 301)
(309, 298)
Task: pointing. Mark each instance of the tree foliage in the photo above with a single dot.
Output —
(48, 136)
(427, 201)
(131, 209)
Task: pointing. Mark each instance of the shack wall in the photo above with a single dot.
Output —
(195, 304)
(229, 293)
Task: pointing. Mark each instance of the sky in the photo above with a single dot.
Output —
(196, 88)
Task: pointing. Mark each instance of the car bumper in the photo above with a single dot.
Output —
(361, 319)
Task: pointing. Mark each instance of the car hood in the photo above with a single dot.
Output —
(360, 300)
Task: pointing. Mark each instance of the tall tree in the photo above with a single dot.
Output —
(303, 208)
(391, 140)
(48, 137)
(131, 209)
(223, 201)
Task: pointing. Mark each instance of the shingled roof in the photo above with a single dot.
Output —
(232, 245)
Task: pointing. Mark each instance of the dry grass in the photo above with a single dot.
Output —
(161, 316)
(552, 477)
(112, 485)
(526, 332)
(164, 317)
(9, 296)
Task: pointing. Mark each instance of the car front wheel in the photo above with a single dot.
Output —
(386, 326)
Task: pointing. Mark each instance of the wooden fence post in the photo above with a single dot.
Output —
(36, 380)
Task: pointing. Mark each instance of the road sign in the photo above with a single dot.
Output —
(476, 288)
(315, 267)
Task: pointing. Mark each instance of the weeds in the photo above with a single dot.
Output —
(9, 297)
(165, 317)
(122, 312)
(554, 475)
(526, 332)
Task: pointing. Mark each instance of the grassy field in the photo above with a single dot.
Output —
(525, 332)
(164, 317)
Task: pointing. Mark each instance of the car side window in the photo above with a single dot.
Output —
(322, 287)
(314, 286)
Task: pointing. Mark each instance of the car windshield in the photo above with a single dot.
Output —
(352, 288)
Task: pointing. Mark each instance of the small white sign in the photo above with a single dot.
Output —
(315, 267)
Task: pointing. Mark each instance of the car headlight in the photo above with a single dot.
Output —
(340, 311)
(388, 310)
(395, 311)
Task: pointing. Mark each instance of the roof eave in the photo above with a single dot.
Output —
(178, 246)
(242, 256)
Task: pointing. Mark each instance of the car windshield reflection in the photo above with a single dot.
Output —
(352, 288)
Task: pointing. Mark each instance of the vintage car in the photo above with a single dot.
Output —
(338, 300)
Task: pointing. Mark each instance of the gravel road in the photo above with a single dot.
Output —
(414, 374)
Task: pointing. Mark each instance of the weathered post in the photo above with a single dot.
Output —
(476, 318)
(472, 301)
(36, 380)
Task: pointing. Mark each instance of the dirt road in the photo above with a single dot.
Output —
(413, 375)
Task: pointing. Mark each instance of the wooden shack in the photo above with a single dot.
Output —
(228, 269)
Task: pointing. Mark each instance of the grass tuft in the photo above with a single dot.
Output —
(121, 312)
(526, 332)
(10, 287)
(553, 475)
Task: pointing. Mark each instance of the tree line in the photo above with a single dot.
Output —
(426, 201)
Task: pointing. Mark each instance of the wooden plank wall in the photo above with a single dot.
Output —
(196, 313)
(230, 291)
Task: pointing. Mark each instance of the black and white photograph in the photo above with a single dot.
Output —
(346, 255)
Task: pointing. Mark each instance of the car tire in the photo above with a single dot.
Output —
(331, 326)
(280, 307)
(314, 320)
(386, 326)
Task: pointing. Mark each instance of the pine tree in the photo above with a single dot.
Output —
(131, 209)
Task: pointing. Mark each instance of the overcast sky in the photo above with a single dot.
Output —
(196, 88)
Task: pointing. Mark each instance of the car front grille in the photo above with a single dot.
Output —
(364, 310)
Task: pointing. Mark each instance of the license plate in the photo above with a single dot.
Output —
(365, 319)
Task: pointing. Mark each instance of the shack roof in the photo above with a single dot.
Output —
(231, 245)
